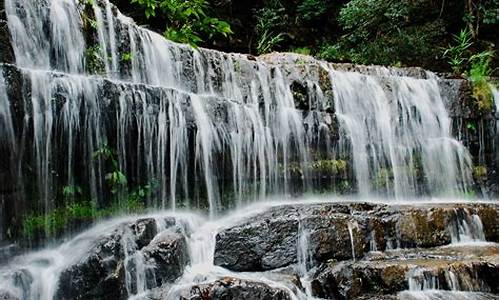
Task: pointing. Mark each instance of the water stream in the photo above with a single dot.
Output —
(210, 131)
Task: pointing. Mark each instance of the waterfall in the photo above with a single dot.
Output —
(207, 129)
(393, 135)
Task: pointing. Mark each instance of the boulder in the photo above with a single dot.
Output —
(343, 231)
(168, 253)
(266, 243)
(233, 288)
(103, 271)
(100, 274)
(441, 268)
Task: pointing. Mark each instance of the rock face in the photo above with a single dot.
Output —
(131, 79)
(169, 254)
(400, 270)
(102, 272)
(343, 231)
(232, 288)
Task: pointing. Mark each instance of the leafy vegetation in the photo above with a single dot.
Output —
(479, 74)
(80, 208)
(458, 53)
(94, 62)
(270, 26)
(398, 33)
(186, 21)
(480, 172)
(127, 57)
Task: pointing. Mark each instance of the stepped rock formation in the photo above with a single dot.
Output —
(89, 101)
(330, 250)
(211, 129)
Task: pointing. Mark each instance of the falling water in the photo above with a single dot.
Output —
(350, 227)
(467, 227)
(397, 133)
(219, 122)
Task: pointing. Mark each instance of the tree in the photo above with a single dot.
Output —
(187, 21)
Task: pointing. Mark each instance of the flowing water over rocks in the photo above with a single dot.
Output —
(170, 255)
(214, 132)
(211, 129)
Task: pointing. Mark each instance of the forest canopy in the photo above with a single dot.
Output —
(440, 35)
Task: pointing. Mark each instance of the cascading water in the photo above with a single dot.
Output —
(201, 127)
(393, 135)
(250, 139)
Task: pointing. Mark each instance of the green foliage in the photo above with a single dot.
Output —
(471, 126)
(480, 172)
(302, 50)
(331, 53)
(117, 181)
(127, 57)
(82, 209)
(479, 74)
(271, 20)
(383, 178)
(458, 53)
(187, 21)
(87, 2)
(388, 32)
(309, 10)
(331, 166)
(70, 191)
(94, 61)
(54, 223)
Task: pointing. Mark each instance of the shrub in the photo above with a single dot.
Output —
(309, 10)
(479, 75)
(187, 21)
(458, 53)
(271, 20)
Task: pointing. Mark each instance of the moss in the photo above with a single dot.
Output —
(94, 62)
(480, 172)
(481, 92)
(331, 166)
(393, 277)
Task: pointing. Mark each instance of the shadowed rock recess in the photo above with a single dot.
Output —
(92, 107)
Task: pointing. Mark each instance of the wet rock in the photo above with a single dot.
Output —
(233, 288)
(330, 237)
(458, 269)
(424, 227)
(144, 231)
(445, 295)
(98, 275)
(102, 272)
(6, 295)
(168, 254)
(343, 231)
(6, 51)
(267, 243)
(489, 217)
(8, 251)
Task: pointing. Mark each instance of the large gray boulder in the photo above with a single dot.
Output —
(233, 288)
(343, 231)
(102, 272)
